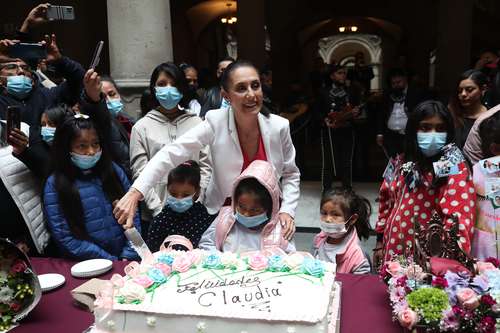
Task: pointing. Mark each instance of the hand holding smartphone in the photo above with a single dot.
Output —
(97, 55)
(28, 51)
(60, 13)
(13, 120)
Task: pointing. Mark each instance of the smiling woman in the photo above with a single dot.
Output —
(236, 136)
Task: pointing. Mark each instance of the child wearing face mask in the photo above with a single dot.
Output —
(182, 214)
(80, 193)
(344, 218)
(416, 186)
(486, 174)
(251, 223)
(50, 119)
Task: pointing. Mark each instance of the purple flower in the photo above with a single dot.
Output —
(479, 284)
(488, 300)
(450, 321)
(456, 282)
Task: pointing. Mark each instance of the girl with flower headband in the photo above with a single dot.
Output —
(80, 194)
(345, 216)
(251, 223)
(182, 214)
(414, 187)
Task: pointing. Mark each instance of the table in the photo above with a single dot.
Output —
(365, 305)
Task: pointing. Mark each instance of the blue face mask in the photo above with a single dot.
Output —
(48, 133)
(115, 106)
(225, 104)
(19, 86)
(168, 96)
(180, 205)
(85, 162)
(431, 143)
(250, 221)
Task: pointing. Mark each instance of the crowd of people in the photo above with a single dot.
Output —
(216, 165)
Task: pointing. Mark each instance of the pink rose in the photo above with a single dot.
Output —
(182, 263)
(257, 262)
(468, 298)
(484, 266)
(117, 280)
(143, 281)
(18, 267)
(407, 318)
(394, 268)
(132, 269)
(196, 256)
(164, 268)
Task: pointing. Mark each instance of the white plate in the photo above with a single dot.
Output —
(51, 281)
(91, 268)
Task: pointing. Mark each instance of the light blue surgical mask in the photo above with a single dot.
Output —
(180, 205)
(48, 133)
(115, 106)
(85, 162)
(19, 86)
(225, 104)
(168, 96)
(430, 143)
(250, 221)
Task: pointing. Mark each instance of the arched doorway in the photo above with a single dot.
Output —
(342, 47)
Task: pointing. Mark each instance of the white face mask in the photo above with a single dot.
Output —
(334, 230)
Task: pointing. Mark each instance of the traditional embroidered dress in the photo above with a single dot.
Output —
(406, 194)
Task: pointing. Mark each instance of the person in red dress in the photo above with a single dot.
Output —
(412, 189)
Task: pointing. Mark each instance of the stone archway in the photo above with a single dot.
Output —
(343, 46)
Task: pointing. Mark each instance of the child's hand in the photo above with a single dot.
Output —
(288, 225)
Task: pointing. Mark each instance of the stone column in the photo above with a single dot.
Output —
(250, 31)
(453, 42)
(140, 37)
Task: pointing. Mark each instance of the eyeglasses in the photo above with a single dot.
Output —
(14, 66)
(81, 116)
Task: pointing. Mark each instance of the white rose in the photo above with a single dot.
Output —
(229, 259)
(294, 261)
(131, 291)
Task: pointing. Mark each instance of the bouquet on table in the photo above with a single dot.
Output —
(453, 302)
(19, 286)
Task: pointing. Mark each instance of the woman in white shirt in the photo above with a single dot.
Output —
(236, 137)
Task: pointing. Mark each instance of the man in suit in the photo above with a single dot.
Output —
(397, 105)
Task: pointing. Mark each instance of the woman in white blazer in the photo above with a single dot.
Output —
(230, 134)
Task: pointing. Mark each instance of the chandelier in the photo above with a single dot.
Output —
(229, 18)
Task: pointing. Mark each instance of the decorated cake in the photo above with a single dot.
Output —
(212, 292)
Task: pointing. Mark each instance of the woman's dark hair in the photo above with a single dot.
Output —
(351, 203)
(58, 113)
(253, 186)
(480, 79)
(226, 78)
(107, 78)
(172, 70)
(185, 66)
(423, 111)
(489, 131)
(146, 103)
(65, 172)
(187, 172)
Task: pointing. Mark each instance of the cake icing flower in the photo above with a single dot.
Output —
(313, 267)
(143, 281)
(166, 259)
(157, 275)
(229, 260)
(294, 261)
(182, 263)
(276, 263)
(212, 261)
(257, 262)
(132, 292)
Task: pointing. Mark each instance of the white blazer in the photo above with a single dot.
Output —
(219, 132)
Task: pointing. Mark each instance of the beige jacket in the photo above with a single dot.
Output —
(150, 134)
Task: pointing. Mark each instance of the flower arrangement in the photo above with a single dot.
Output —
(17, 288)
(149, 276)
(455, 302)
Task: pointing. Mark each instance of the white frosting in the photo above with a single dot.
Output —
(258, 301)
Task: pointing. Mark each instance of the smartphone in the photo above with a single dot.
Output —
(97, 55)
(60, 13)
(28, 51)
(13, 119)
